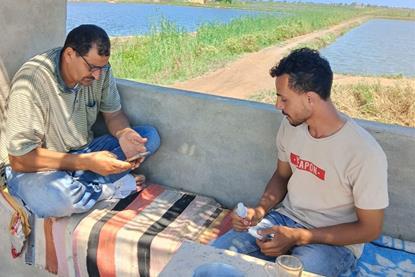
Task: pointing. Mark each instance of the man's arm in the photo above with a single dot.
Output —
(367, 228)
(41, 159)
(130, 141)
(116, 122)
(274, 193)
(276, 188)
(102, 162)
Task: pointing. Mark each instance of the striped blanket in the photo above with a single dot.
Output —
(135, 236)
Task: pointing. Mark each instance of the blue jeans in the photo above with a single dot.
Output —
(62, 193)
(323, 259)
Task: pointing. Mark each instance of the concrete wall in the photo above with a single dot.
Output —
(211, 145)
(216, 146)
(225, 148)
(28, 27)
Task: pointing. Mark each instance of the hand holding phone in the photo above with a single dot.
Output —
(137, 156)
(253, 231)
(264, 224)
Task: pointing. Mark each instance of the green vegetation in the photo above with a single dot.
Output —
(169, 54)
(323, 41)
(392, 104)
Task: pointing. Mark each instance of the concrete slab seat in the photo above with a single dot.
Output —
(135, 236)
(138, 235)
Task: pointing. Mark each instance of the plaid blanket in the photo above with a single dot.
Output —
(135, 236)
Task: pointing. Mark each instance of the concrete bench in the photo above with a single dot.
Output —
(225, 149)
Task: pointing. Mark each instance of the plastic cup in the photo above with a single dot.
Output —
(288, 266)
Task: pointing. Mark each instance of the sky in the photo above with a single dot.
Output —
(393, 3)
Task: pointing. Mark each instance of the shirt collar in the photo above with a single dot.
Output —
(63, 87)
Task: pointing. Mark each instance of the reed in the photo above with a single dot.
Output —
(391, 104)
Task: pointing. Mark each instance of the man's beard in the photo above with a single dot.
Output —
(290, 120)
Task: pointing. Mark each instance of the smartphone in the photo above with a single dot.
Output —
(137, 156)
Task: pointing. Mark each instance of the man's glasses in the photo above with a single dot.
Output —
(95, 68)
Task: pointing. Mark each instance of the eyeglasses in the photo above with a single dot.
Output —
(95, 68)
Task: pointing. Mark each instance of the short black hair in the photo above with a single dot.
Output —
(307, 70)
(83, 37)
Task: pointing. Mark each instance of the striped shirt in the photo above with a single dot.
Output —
(44, 112)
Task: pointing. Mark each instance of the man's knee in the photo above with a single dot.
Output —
(324, 259)
(152, 135)
(66, 194)
(241, 242)
(48, 194)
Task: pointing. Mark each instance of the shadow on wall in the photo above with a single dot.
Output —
(4, 94)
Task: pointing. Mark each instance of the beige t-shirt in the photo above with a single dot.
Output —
(42, 112)
(333, 175)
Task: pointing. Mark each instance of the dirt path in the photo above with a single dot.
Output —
(249, 74)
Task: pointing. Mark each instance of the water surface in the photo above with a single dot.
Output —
(377, 47)
(126, 19)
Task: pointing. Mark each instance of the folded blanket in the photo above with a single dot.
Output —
(135, 236)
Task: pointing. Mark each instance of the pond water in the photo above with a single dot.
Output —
(126, 19)
(377, 47)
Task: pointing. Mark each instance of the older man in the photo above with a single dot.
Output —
(53, 163)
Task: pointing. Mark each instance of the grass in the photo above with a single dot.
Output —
(325, 40)
(391, 104)
(388, 104)
(169, 54)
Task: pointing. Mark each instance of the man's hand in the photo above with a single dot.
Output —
(105, 163)
(136, 163)
(253, 217)
(284, 239)
(132, 143)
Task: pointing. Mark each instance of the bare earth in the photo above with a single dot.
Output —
(249, 74)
